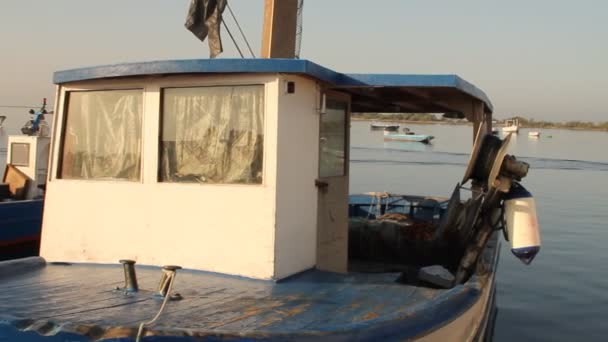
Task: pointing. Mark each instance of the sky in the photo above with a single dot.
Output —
(542, 59)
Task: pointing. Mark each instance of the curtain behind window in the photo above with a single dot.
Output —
(213, 135)
(103, 135)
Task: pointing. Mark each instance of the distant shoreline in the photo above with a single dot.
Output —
(462, 123)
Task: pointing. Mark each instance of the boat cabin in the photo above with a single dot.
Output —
(231, 166)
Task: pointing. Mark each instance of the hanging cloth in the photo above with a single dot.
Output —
(204, 19)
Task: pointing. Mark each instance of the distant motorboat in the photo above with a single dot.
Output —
(409, 136)
(384, 126)
(391, 128)
(534, 134)
(407, 131)
(511, 126)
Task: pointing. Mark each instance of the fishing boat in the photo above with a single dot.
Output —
(511, 126)
(535, 134)
(21, 194)
(409, 136)
(155, 251)
(384, 126)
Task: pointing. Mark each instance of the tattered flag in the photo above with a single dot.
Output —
(204, 20)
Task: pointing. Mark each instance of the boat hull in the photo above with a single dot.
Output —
(385, 127)
(409, 138)
(20, 226)
(510, 129)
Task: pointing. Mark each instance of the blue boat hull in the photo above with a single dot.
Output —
(20, 227)
(409, 137)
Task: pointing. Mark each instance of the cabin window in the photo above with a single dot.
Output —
(102, 135)
(20, 154)
(333, 140)
(212, 135)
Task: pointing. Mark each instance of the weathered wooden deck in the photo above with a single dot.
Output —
(80, 302)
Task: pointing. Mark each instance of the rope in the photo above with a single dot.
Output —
(241, 30)
(162, 307)
(371, 206)
(231, 37)
(2, 106)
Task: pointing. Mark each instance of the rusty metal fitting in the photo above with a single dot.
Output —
(130, 276)
(168, 273)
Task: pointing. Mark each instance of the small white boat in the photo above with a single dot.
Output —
(511, 126)
(408, 136)
(535, 134)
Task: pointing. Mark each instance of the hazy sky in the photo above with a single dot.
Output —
(545, 59)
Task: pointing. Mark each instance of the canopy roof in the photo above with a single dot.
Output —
(384, 93)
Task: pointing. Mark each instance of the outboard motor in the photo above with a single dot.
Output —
(521, 228)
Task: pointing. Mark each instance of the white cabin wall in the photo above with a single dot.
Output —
(220, 228)
(297, 169)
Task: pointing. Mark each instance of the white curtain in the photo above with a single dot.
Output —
(213, 134)
(103, 135)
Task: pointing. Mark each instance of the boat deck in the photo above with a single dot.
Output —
(80, 302)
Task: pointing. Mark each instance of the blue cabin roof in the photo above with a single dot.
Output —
(371, 92)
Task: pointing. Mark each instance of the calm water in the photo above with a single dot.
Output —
(563, 295)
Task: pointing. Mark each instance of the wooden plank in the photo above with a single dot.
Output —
(477, 117)
(18, 182)
(279, 32)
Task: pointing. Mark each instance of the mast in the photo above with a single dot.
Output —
(279, 32)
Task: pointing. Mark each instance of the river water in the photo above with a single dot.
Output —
(563, 294)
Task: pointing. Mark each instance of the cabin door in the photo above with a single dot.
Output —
(332, 184)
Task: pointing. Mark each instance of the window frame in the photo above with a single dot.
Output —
(195, 85)
(339, 97)
(12, 161)
(60, 140)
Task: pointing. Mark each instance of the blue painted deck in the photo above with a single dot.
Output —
(78, 302)
(20, 226)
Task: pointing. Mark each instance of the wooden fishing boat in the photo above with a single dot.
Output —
(150, 161)
(278, 273)
(21, 199)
